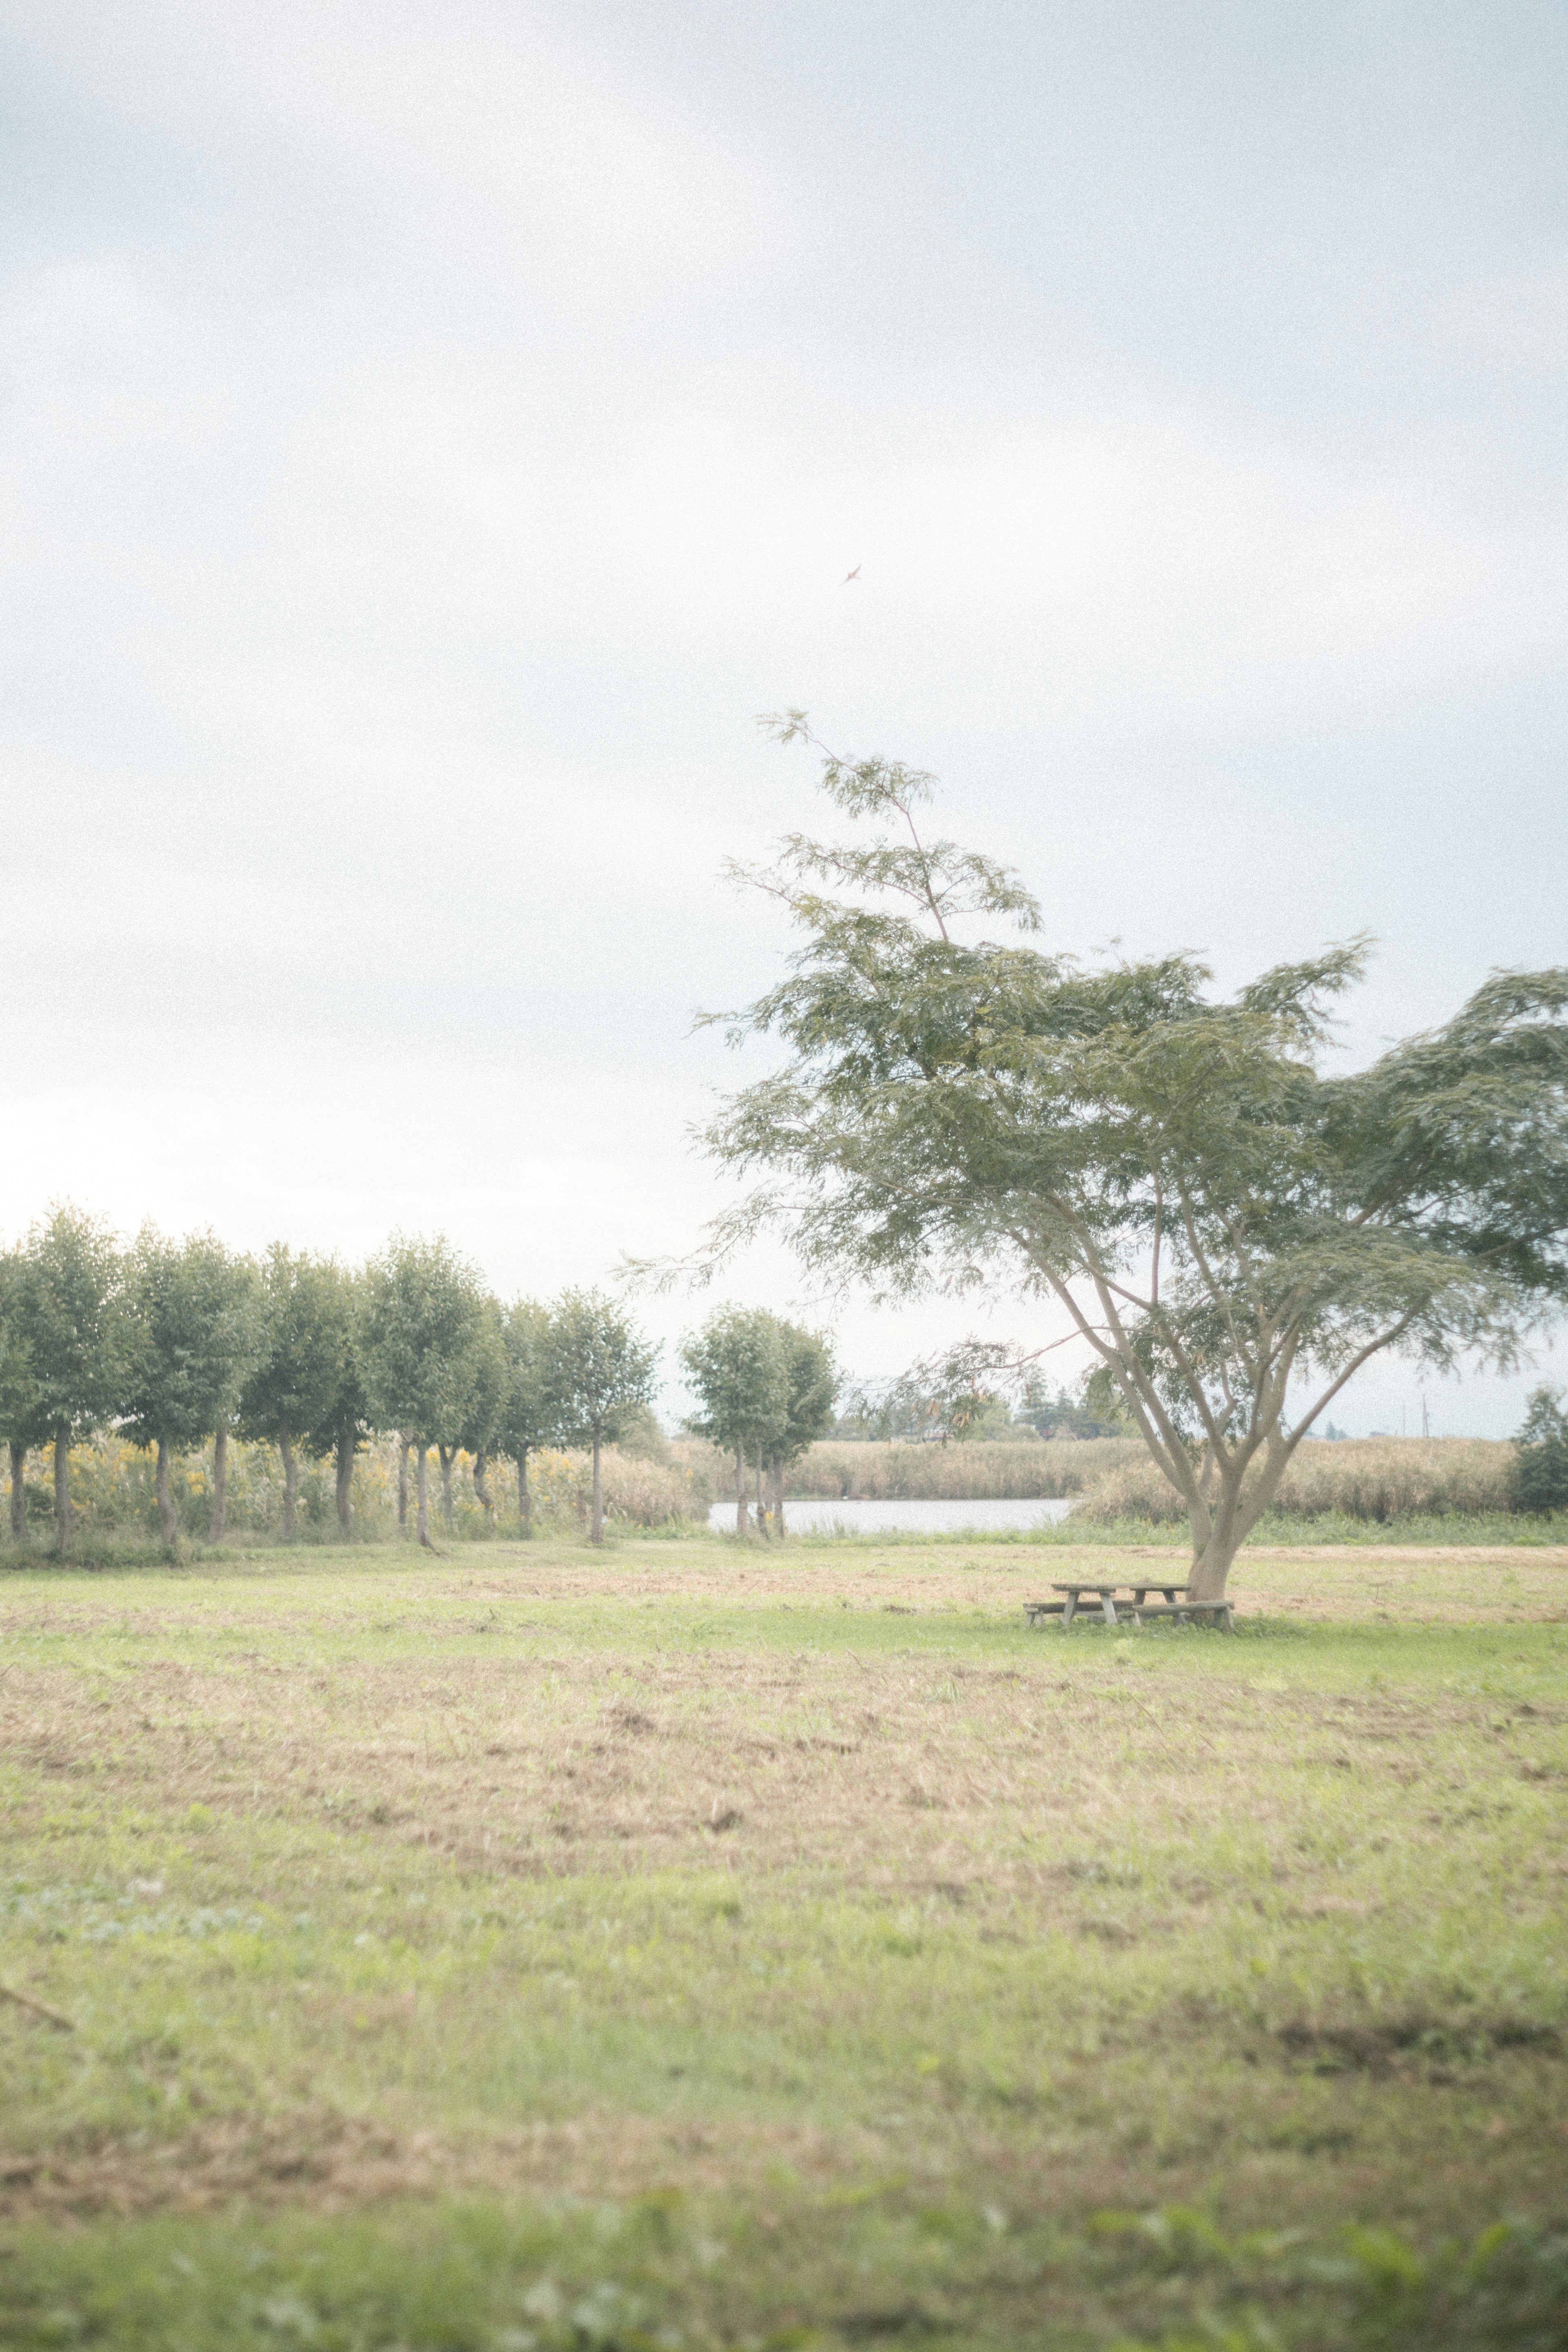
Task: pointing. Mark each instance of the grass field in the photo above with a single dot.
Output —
(705, 1947)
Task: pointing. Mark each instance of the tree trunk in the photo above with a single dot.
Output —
(62, 1491)
(524, 1500)
(776, 1482)
(482, 1483)
(449, 1455)
(290, 1482)
(762, 1511)
(219, 1526)
(422, 1486)
(404, 1442)
(18, 1492)
(596, 1526)
(168, 1517)
(739, 1490)
(345, 1480)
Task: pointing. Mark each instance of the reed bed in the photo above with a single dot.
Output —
(1371, 1478)
(844, 1470)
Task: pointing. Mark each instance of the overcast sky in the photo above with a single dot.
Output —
(431, 433)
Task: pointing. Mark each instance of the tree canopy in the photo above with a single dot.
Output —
(194, 1328)
(1228, 1226)
(598, 1370)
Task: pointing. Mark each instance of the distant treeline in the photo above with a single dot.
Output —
(185, 1345)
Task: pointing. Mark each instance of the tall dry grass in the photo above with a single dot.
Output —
(844, 1470)
(114, 1502)
(1358, 1478)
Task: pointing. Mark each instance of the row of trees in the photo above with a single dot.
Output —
(183, 1343)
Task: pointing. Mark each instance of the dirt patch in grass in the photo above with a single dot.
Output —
(335, 2163)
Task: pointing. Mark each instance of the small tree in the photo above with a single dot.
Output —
(193, 1331)
(345, 1424)
(425, 1314)
(306, 1333)
(71, 1301)
(1542, 1443)
(23, 1414)
(1228, 1228)
(738, 1366)
(813, 1380)
(530, 1414)
(598, 1369)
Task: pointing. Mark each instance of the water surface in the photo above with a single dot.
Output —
(947, 1516)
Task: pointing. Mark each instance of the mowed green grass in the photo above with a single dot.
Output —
(701, 1946)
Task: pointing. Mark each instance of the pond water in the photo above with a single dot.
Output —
(946, 1517)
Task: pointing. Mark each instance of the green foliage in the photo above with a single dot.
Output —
(307, 1347)
(490, 1396)
(194, 1326)
(1224, 1225)
(529, 1415)
(738, 1368)
(1541, 1477)
(68, 1303)
(598, 1369)
(814, 1382)
(23, 1409)
(425, 1333)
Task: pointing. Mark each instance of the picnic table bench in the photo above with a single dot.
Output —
(1132, 1604)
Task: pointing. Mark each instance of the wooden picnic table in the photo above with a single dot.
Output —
(1134, 1602)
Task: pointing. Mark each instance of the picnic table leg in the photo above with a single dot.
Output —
(1108, 1608)
(1069, 1610)
(1137, 1593)
(1170, 1593)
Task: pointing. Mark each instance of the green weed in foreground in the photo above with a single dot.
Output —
(668, 2271)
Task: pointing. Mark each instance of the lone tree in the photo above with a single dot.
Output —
(71, 1307)
(1228, 1228)
(738, 1367)
(295, 1381)
(423, 1317)
(193, 1331)
(598, 1370)
(530, 1416)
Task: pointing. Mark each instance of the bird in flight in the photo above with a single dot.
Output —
(850, 575)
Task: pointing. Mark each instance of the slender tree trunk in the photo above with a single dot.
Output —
(219, 1526)
(290, 1482)
(761, 1513)
(405, 1440)
(449, 1455)
(739, 1490)
(524, 1500)
(62, 1491)
(345, 1480)
(482, 1483)
(596, 1524)
(168, 1518)
(422, 1486)
(776, 1481)
(18, 1492)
